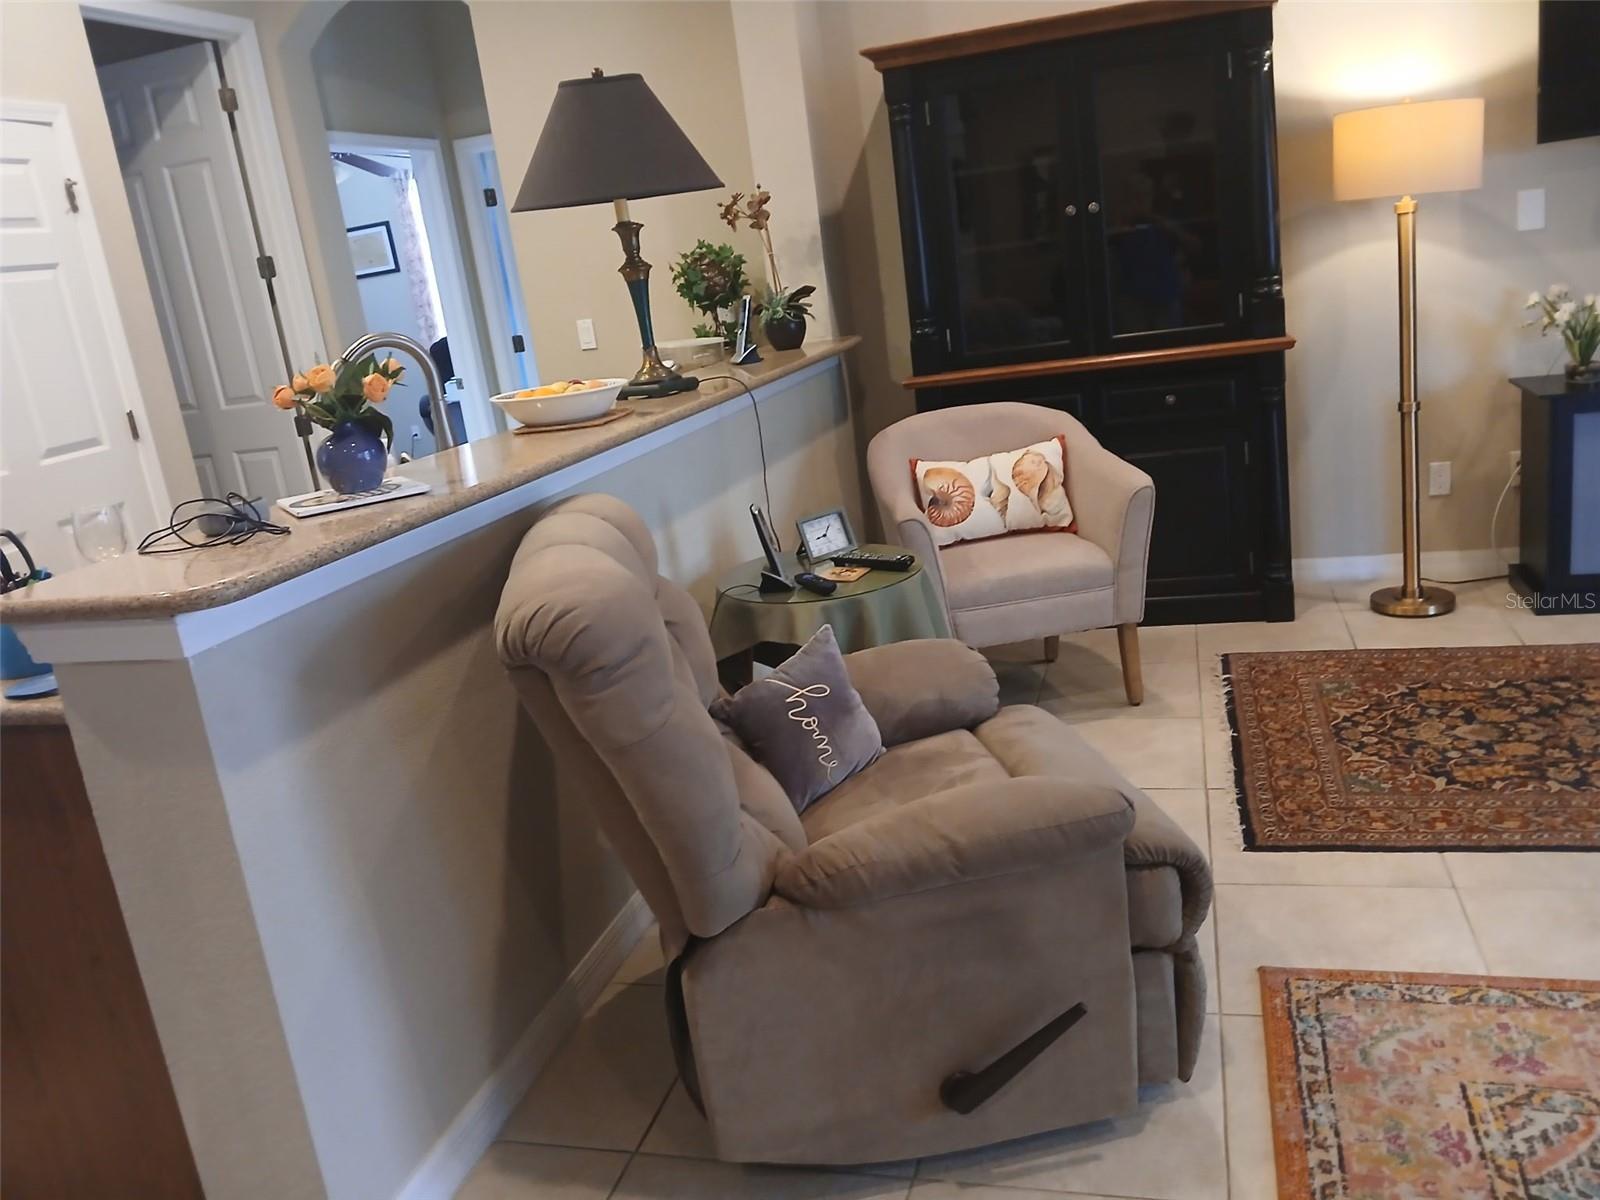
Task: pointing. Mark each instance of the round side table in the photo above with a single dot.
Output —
(882, 606)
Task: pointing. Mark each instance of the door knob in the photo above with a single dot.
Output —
(1171, 398)
(1094, 206)
(1072, 210)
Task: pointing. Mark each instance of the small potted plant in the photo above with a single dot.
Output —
(784, 311)
(711, 279)
(1577, 322)
(783, 316)
(355, 455)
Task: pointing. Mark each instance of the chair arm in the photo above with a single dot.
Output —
(917, 689)
(967, 833)
(1113, 502)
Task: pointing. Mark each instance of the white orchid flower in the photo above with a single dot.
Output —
(1534, 300)
(1565, 312)
(1558, 290)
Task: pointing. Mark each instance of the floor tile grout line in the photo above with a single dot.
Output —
(649, 1125)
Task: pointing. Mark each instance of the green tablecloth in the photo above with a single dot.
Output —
(880, 607)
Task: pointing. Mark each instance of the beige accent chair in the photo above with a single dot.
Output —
(893, 973)
(1015, 589)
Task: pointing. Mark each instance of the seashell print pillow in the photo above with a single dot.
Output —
(1009, 492)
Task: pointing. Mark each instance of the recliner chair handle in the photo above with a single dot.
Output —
(965, 1091)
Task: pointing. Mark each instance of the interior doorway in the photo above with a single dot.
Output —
(408, 264)
(485, 202)
(203, 230)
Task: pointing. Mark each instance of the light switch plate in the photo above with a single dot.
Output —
(1439, 479)
(1530, 209)
(586, 334)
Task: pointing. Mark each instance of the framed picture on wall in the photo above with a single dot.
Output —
(372, 250)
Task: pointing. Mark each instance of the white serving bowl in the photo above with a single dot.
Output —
(692, 352)
(565, 408)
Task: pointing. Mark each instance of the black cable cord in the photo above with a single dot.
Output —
(1474, 579)
(197, 524)
(761, 440)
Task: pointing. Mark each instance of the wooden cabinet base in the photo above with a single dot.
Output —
(86, 1105)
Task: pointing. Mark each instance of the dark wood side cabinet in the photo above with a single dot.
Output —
(1088, 213)
(1559, 569)
(87, 1109)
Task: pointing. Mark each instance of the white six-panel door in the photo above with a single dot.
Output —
(66, 375)
(193, 223)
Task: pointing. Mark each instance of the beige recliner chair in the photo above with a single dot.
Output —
(985, 933)
(1015, 589)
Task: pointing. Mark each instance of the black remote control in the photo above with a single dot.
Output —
(885, 562)
(816, 583)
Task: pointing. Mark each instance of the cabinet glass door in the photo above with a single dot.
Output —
(1157, 132)
(1010, 249)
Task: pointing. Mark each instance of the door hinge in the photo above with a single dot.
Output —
(517, 344)
(72, 195)
(133, 424)
(266, 268)
(229, 98)
(1230, 64)
(1247, 454)
(489, 198)
(1241, 304)
(927, 113)
(1252, 562)
(947, 346)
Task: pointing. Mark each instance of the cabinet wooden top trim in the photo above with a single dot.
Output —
(1100, 362)
(1048, 29)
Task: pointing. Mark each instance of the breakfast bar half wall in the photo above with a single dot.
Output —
(364, 906)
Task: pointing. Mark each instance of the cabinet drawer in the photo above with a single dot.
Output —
(1170, 401)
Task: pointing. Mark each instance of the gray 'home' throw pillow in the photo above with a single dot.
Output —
(805, 722)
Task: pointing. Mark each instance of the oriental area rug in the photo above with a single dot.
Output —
(1458, 748)
(1401, 1087)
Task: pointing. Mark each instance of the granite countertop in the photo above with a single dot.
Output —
(46, 710)
(136, 586)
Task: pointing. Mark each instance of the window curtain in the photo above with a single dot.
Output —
(416, 258)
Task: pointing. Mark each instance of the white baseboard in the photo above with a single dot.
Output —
(457, 1151)
(1436, 564)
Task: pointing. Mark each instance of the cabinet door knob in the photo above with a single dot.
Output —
(1094, 206)
(1171, 398)
(1072, 210)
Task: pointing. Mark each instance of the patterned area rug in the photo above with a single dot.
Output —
(1468, 748)
(1405, 1087)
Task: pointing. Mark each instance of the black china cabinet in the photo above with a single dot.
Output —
(1088, 212)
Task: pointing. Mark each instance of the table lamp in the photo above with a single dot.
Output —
(608, 140)
(1401, 150)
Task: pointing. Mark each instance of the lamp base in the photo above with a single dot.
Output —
(652, 389)
(1431, 602)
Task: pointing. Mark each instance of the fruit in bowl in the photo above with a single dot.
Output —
(561, 403)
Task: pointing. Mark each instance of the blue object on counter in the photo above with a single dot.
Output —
(15, 661)
(32, 689)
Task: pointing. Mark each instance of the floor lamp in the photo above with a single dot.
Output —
(1403, 150)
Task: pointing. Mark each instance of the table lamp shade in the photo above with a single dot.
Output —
(608, 138)
(1408, 149)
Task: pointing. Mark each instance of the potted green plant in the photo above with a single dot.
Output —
(711, 279)
(784, 311)
(783, 316)
(1577, 322)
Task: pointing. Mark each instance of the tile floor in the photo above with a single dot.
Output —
(608, 1120)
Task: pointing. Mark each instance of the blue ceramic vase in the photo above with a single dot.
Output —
(352, 459)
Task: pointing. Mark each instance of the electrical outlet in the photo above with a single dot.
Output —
(586, 334)
(1516, 468)
(1439, 479)
(1530, 209)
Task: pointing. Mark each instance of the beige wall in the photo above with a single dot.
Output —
(1338, 258)
(568, 258)
(44, 55)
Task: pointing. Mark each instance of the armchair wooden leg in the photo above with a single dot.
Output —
(1052, 648)
(1132, 676)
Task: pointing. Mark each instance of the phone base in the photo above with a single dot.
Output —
(771, 583)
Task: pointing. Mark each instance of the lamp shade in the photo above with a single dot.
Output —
(608, 138)
(1406, 149)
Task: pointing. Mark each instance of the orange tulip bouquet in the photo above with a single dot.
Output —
(356, 452)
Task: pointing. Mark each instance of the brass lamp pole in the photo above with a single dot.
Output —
(1400, 149)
